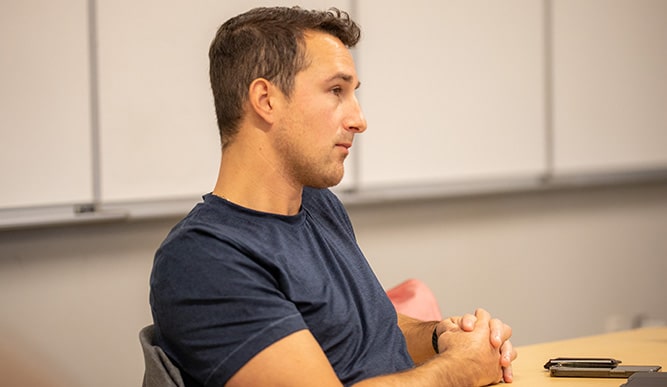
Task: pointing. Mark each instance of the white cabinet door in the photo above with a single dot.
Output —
(452, 91)
(158, 131)
(610, 85)
(45, 124)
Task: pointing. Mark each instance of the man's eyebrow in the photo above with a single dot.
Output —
(345, 77)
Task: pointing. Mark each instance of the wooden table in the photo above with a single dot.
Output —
(646, 346)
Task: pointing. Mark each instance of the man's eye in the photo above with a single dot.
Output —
(337, 90)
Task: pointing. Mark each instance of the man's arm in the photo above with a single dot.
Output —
(295, 360)
(466, 359)
(418, 336)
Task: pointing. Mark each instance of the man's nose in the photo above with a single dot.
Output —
(356, 121)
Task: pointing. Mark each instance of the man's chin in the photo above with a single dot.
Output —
(326, 181)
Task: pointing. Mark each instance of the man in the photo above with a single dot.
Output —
(263, 284)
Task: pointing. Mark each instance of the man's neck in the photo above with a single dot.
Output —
(252, 181)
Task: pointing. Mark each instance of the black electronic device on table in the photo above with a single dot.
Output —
(647, 379)
(595, 368)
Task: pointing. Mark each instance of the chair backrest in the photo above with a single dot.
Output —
(160, 371)
(413, 298)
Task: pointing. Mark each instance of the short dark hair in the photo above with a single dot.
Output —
(265, 43)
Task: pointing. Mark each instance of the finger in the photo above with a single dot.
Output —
(507, 354)
(496, 327)
(483, 321)
(483, 317)
(467, 322)
(500, 332)
(508, 376)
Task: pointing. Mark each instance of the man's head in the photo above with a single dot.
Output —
(265, 43)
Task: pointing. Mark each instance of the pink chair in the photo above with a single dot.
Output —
(414, 299)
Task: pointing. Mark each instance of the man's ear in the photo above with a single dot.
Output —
(262, 97)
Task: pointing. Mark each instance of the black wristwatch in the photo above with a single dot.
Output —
(434, 340)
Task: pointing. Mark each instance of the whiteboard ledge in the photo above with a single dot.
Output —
(443, 190)
(162, 208)
(20, 218)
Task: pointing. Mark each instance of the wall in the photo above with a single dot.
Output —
(552, 264)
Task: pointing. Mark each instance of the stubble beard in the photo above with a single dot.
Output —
(309, 169)
(316, 175)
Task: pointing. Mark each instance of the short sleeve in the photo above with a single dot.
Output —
(216, 307)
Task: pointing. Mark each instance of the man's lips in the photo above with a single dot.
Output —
(345, 147)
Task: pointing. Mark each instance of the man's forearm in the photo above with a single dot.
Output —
(418, 336)
(440, 371)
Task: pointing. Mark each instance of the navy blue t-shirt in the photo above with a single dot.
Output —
(229, 281)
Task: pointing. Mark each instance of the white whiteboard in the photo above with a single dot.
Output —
(610, 85)
(45, 135)
(452, 90)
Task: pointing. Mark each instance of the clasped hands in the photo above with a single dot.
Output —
(483, 340)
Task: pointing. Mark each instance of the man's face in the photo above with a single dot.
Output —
(322, 115)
